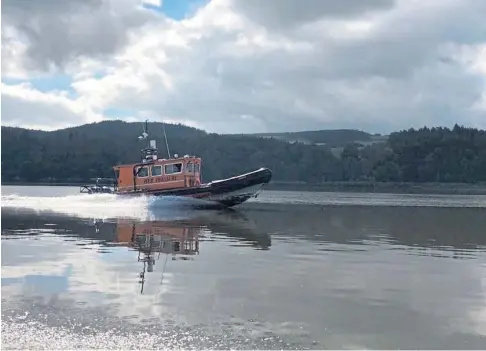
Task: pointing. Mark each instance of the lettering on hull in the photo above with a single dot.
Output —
(159, 179)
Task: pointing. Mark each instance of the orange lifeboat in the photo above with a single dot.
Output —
(179, 176)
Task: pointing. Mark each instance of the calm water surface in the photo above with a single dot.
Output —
(286, 271)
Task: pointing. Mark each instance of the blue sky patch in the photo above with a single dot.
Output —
(46, 84)
(99, 74)
(178, 9)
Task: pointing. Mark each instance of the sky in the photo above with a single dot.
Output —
(245, 66)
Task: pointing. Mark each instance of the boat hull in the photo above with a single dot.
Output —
(226, 192)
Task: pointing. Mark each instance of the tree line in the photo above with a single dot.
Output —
(80, 153)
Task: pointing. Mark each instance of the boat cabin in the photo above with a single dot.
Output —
(158, 174)
(161, 174)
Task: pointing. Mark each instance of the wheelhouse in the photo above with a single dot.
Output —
(164, 174)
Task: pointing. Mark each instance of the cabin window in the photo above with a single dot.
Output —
(190, 167)
(173, 168)
(156, 171)
(143, 172)
(197, 168)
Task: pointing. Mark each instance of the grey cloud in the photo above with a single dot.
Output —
(32, 7)
(398, 77)
(58, 31)
(404, 41)
(290, 13)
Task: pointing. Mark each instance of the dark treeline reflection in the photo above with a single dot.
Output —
(257, 225)
(459, 228)
(230, 224)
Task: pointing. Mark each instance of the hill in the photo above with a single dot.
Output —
(80, 153)
(87, 151)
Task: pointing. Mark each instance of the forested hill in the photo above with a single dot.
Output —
(88, 151)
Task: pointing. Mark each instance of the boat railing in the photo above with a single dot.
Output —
(101, 185)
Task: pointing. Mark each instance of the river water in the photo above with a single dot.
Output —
(288, 270)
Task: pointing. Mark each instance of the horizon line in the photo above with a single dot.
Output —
(257, 133)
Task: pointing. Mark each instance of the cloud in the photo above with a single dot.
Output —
(24, 106)
(378, 65)
(57, 32)
(290, 13)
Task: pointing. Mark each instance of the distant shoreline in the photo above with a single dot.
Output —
(384, 187)
(355, 187)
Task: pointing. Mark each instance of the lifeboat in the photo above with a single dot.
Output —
(178, 176)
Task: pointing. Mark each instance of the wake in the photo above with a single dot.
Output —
(107, 206)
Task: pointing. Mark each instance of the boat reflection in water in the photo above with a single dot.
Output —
(159, 239)
(152, 239)
(164, 235)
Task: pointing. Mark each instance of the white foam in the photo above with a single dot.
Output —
(100, 206)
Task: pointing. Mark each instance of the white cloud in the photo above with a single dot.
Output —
(22, 105)
(153, 2)
(380, 65)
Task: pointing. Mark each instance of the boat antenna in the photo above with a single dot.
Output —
(166, 142)
(144, 134)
